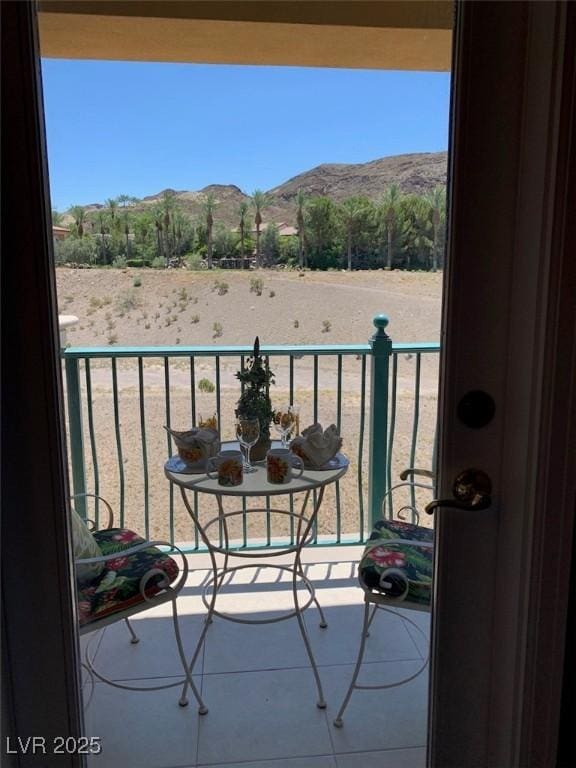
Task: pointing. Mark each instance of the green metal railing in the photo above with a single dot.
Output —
(358, 387)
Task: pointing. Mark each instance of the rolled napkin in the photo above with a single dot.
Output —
(196, 444)
(316, 446)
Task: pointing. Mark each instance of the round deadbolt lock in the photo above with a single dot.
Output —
(476, 409)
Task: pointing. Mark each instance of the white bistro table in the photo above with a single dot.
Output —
(255, 484)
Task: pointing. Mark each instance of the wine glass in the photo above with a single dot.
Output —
(247, 432)
(285, 420)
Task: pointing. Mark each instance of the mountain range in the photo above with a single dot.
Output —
(413, 173)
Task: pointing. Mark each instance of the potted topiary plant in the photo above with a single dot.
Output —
(254, 402)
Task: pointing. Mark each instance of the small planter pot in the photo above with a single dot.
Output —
(260, 449)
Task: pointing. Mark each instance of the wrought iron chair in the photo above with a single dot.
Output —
(395, 571)
(128, 576)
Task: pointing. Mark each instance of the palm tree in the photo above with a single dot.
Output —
(142, 224)
(158, 215)
(322, 228)
(112, 205)
(243, 213)
(259, 201)
(390, 204)
(114, 221)
(353, 211)
(168, 205)
(126, 228)
(127, 201)
(178, 228)
(101, 217)
(300, 223)
(79, 215)
(209, 207)
(437, 201)
(417, 213)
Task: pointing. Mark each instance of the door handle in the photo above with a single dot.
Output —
(472, 490)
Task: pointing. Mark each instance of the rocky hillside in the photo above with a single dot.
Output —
(413, 173)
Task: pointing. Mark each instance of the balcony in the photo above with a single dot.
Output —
(257, 681)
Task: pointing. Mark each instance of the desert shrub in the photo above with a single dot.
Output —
(119, 262)
(218, 330)
(137, 282)
(289, 251)
(138, 263)
(127, 301)
(195, 319)
(194, 261)
(296, 323)
(183, 294)
(112, 338)
(95, 302)
(205, 385)
(221, 287)
(106, 300)
(326, 326)
(177, 340)
(76, 250)
(157, 263)
(147, 326)
(256, 286)
(272, 294)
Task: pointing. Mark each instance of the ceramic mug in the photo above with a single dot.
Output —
(280, 465)
(228, 468)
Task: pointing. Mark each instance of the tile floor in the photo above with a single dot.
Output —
(257, 681)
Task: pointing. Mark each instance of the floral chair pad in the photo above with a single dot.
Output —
(118, 586)
(383, 552)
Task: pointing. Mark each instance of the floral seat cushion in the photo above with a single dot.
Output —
(394, 565)
(118, 586)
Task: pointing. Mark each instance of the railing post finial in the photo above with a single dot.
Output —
(380, 322)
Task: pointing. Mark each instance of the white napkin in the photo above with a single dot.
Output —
(316, 446)
(205, 439)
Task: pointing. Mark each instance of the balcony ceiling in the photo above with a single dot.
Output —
(373, 35)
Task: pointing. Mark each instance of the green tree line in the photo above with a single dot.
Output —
(399, 231)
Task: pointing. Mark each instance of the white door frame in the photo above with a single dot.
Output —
(509, 328)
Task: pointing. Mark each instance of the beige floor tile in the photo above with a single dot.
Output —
(378, 720)
(339, 643)
(262, 716)
(142, 730)
(393, 758)
(325, 761)
(156, 655)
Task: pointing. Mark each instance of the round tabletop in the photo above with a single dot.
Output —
(256, 483)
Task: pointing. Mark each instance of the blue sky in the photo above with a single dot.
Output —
(134, 128)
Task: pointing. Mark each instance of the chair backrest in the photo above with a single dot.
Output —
(392, 506)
